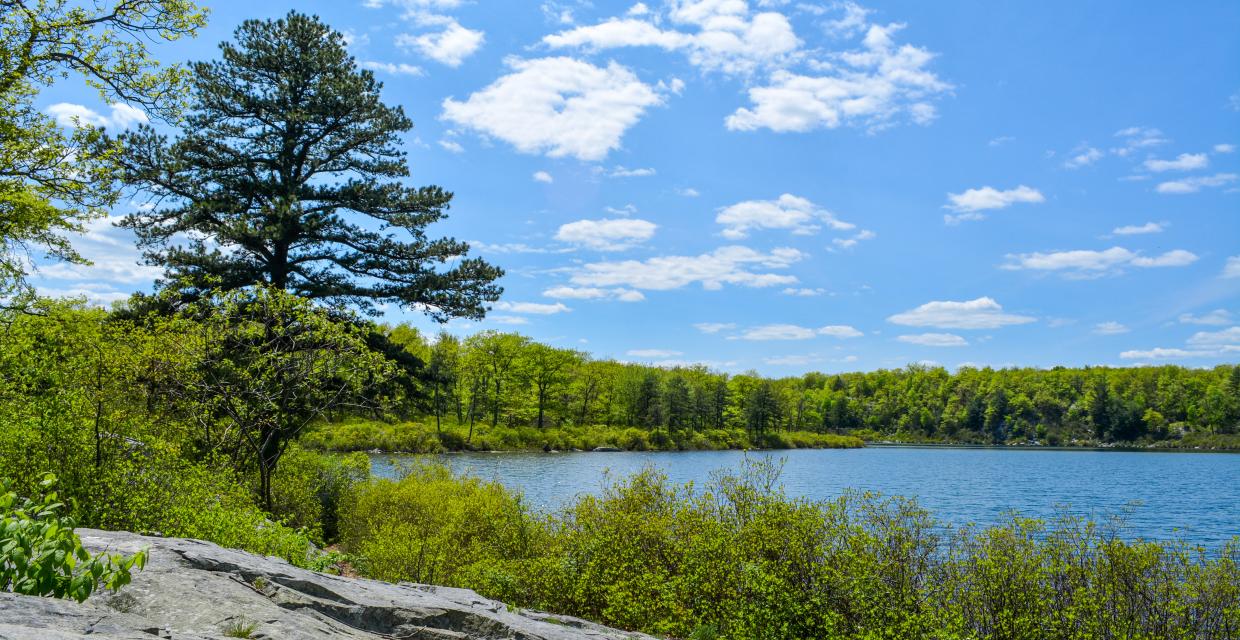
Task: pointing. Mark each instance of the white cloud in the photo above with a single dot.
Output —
(72, 115)
(1230, 336)
(781, 331)
(1083, 158)
(1232, 268)
(594, 293)
(558, 106)
(621, 172)
(1133, 139)
(1132, 229)
(653, 353)
(1110, 328)
(688, 192)
(452, 146)
(1000, 141)
(449, 47)
(718, 35)
(726, 265)
(803, 292)
(792, 360)
(1182, 162)
(607, 234)
(537, 308)
(1090, 263)
(1161, 353)
(395, 69)
(778, 332)
(1195, 184)
(1216, 317)
(872, 87)
(980, 313)
(793, 213)
(543, 176)
(972, 201)
(935, 340)
(848, 243)
(714, 327)
(1224, 148)
(839, 331)
(503, 319)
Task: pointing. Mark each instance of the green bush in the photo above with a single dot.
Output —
(40, 555)
(308, 488)
(430, 526)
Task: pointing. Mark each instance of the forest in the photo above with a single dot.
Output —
(281, 221)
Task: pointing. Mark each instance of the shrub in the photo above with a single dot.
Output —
(430, 526)
(40, 555)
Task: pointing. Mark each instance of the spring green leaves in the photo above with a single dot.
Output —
(40, 555)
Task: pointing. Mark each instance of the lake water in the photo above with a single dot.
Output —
(1162, 495)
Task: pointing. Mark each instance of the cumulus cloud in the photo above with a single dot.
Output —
(1216, 317)
(396, 69)
(1232, 268)
(714, 327)
(872, 87)
(718, 36)
(450, 46)
(1182, 162)
(72, 115)
(979, 313)
(543, 176)
(734, 265)
(1083, 158)
(803, 292)
(452, 146)
(557, 106)
(1110, 328)
(972, 202)
(796, 332)
(536, 308)
(1086, 263)
(622, 172)
(789, 212)
(653, 353)
(1133, 229)
(1162, 353)
(1195, 184)
(1224, 148)
(594, 293)
(934, 340)
(607, 234)
(1230, 336)
(689, 192)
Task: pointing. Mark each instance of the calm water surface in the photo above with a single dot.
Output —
(1195, 496)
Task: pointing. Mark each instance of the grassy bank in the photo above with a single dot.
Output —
(419, 437)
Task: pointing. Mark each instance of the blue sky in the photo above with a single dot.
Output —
(789, 186)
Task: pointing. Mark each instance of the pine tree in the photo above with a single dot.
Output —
(288, 174)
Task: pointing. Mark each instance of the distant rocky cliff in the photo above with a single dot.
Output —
(192, 590)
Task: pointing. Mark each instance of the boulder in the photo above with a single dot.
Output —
(194, 590)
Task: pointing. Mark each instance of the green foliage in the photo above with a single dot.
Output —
(360, 434)
(432, 527)
(308, 489)
(53, 181)
(40, 555)
(738, 559)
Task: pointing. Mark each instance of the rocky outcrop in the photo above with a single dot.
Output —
(194, 590)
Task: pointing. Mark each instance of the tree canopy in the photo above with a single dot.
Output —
(52, 180)
(288, 174)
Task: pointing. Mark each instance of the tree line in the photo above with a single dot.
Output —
(494, 378)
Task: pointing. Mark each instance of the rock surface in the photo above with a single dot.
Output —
(194, 590)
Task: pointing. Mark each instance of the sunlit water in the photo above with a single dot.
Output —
(1161, 495)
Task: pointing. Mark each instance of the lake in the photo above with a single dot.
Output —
(1162, 495)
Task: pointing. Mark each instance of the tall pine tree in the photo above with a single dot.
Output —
(288, 174)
